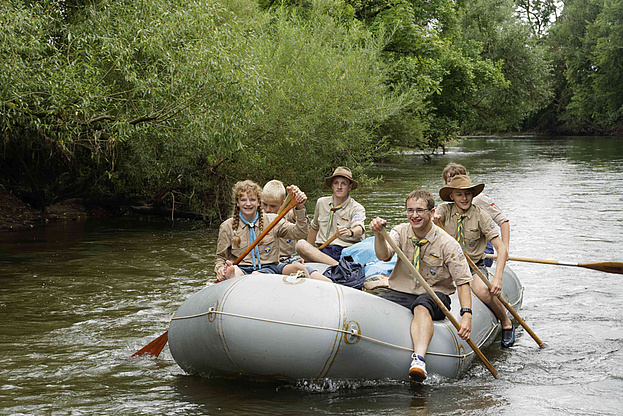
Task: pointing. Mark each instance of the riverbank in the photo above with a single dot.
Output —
(16, 215)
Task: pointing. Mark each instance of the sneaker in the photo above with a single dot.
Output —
(417, 371)
(508, 337)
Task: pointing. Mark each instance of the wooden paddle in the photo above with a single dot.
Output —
(433, 295)
(155, 347)
(329, 241)
(285, 203)
(500, 298)
(604, 266)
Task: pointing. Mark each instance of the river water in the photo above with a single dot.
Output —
(77, 299)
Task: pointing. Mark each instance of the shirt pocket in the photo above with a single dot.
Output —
(322, 224)
(472, 237)
(237, 251)
(342, 220)
(268, 245)
(431, 268)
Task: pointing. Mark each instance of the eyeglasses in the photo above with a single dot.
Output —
(418, 211)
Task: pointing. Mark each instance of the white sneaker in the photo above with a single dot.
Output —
(417, 371)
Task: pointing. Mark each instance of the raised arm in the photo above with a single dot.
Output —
(381, 249)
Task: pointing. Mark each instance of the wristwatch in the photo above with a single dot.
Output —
(352, 234)
(465, 310)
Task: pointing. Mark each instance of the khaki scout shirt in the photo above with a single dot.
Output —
(269, 246)
(442, 263)
(351, 214)
(478, 228)
(486, 203)
(287, 245)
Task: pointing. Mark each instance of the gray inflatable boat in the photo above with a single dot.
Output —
(289, 328)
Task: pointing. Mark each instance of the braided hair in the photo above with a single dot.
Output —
(251, 189)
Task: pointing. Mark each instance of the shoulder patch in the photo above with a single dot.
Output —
(356, 217)
(461, 255)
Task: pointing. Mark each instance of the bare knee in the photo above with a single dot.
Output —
(481, 291)
(420, 310)
(302, 246)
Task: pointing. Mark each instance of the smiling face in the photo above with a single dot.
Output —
(248, 204)
(462, 198)
(341, 187)
(419, 216)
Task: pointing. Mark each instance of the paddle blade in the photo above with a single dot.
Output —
(605, 266)
(155, 347)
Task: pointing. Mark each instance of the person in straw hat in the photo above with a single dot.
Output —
(336, 214)
(472, 227)
(486, 203)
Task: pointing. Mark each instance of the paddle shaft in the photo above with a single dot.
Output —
(329, 241)
(285, 203)
(500, 297)
(604, 266)
(434, 296)
(155, 347)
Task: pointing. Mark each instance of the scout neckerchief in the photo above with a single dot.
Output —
(333, 209)
(256, 251)
(460, 229)
(416, 252)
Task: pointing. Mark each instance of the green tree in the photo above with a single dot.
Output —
(521, 57)
(586, 44)
(172, 100)
(132, 97)
(325, 98)
(473, 65)
(540, 14)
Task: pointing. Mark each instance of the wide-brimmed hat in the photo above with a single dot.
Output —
(343, 172)
(460, 182)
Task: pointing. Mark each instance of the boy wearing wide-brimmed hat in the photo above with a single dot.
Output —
(486, 203)
(338, 213)
(472, 227)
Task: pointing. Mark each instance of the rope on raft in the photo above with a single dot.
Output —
(352, 332)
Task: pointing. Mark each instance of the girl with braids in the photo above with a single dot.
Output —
(248, 222)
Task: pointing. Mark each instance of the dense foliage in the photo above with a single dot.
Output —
(170, 101)
(587, 44)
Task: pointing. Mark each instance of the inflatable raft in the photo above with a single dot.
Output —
(289, 328)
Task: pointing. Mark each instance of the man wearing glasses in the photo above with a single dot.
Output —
(439, 259)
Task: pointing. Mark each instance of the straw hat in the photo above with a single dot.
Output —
(460, 182)
(343, 172)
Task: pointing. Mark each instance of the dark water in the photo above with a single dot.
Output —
(76, 300)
